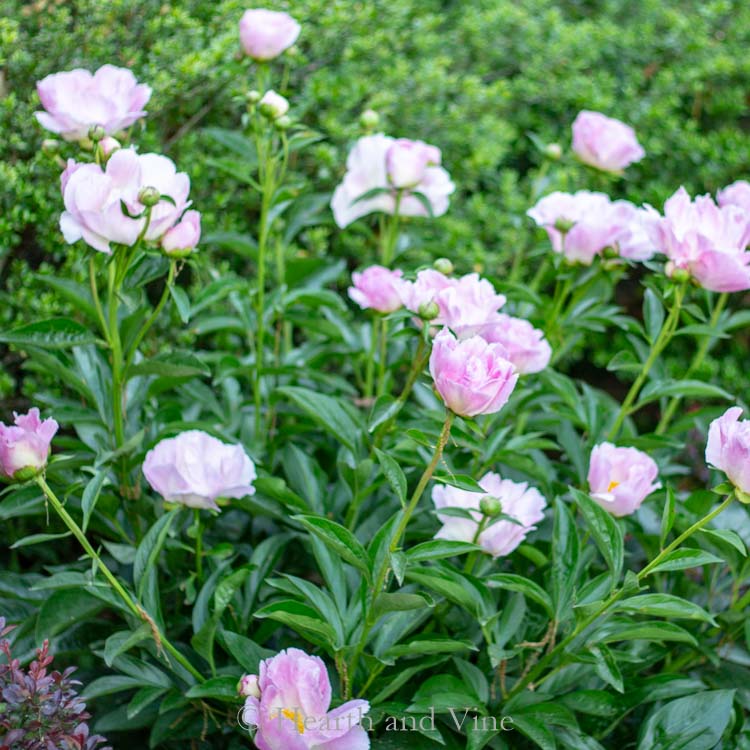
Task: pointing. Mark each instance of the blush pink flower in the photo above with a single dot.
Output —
(25, 445)
(94, 196)
(605, 143)
(195, 469)
(376, 288)
(581, 225)
(519, 501)
(728, 447)
(525, 346)
(471, 376)
(184, 236)
(466, 303)
(406, 162)
(736, 194)
(620, 479)
(294, 712)
(366, 171)
(76, 100)
(265, 34)
(707, 240)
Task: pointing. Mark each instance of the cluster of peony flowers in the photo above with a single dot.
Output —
(289, 704)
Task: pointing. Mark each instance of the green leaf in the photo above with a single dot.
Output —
(605, 530)
(606, 667)
(644, 631)
(399, 602)
(697, 388)
(109, 685)
(298, 616)
(219, 688)
(171, 365)
(120, 643)
(181, 302)
(147, 554)
(667, 517)
(245, 652)
(438, 549)
(394, 474)
(63, 609)
(725, 536)
(653, 314)
(339, 539)
(665, 605)
(695, 722)
(681, 559)
(429, 645)
(55, 333)
(32, 539)
(91, 495)
(143, 699)
(528, 588)
(564, 571)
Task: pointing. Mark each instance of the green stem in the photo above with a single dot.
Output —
(391, 238)
(383, 357)
(370, 364)
(471, 559)
(531, 677)
(198, 546)
(115, 344)
(97, 301)
(665, 334)
(700, 355)
(130, 603)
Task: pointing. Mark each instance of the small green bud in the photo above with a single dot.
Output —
(429, 310)
(253, 97)
(564, 225)
(490, 506)
(283, 123)
(149, 196)
(610, 252)
(553, 151)
(369, 119)
(443, 265)
(50, 146)
(96, 133)
(680, 275)
(743, 497)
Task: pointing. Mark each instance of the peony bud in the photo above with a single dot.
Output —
(109, 145)
(96, 133)
(253, 97)
(182, 238)
(553, 151)
(248, 686)
(50, 146)
(283, 123)
(273, 105)
(564, 225)
(25, 446)
(149, 196)
(610, 252)
(490, 506)
(428, 310)
(444, 266)
(369, 120)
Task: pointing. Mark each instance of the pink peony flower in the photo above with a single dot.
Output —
(183, 237)
(195, 469)
(407, 161)
(26, 444)
(93, 199)
(620, 479)
(265, 34)
(293, 710)
(728, 447)
(77, 100)
(471, 376)
(736, 194)
(593, 222)
(366, 171)
(605, 143)
(517, 499)
(706, 240)
(525, 346)
(466, 303)
(376, 288)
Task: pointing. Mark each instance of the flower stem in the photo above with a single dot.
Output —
(665, 334)
(534, 673)
(130, 603)
(97, 301)
(117, 362)
(370, 364)
(198, 546)
(700, 355)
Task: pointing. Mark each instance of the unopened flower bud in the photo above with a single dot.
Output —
(443, 265)
(610, 252)
(273, 105)
(369, 119)
(429, 310)
(283, 123)
(96, 133)
(553, 151)
(248, 686)
(50, 146)
(680, 275)
(149, 196)
(109, 145)
(490, 506)
(253, 97)
(564, 225)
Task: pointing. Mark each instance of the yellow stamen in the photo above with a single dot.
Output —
(296, 717)
(612, 486)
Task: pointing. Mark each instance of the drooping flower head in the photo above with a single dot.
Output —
(195, 469)
(605, 143)
(265, 34)
(517, 500)
(184, 236)
(77, 100)
(620, 479)
(94, 199)
(293, 709)
(471, 376)
(525, 346)
(707, 240)
(728, 447)
(376, 288)
(366, 170)
(25, 445)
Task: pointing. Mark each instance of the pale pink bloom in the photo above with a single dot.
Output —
(593, 223)
(518, 500)
(26, 443)
(466, 303)
(525, 346)
(471, 376)
(366, 171)
(376, 288)
(406, 162)
(265, 34)
(605, 143)
(736, 194)
(728, 447)
(184, 236)
(273, 105)
(77, 100)
(94, 196)
(620, 479)
(71, 167)
(195, 469)
(294, 712)
(704, 239)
